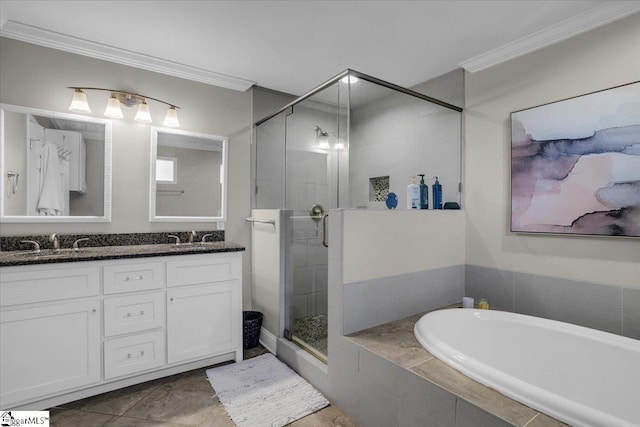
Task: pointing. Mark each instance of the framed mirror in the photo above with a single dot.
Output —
(188, 176)
(55, 167)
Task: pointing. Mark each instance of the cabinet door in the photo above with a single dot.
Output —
(203, 321)
(48, 349)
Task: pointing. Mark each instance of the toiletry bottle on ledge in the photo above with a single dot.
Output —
(424, 193)
(413, 194)
(437, 194)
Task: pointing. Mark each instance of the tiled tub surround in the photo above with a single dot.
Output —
(374, 302)
(427, 391)
(607, 308)
(13, 243)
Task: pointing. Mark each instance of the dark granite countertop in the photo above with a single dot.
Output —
(49, 256)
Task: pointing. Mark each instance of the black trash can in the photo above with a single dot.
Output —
(251, 333)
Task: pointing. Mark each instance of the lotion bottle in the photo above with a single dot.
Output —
(424, 193)
(413, 194)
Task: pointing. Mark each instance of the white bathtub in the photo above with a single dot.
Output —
(581, 376)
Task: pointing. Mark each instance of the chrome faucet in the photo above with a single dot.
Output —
(56, 243)
(36, 245)
(204, 238)
(192, 235)
(75, 244)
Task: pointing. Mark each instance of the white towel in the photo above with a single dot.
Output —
(51, 201)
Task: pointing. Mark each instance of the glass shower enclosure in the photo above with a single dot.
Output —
(346, 144)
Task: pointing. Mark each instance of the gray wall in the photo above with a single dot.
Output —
(593, 61)
(92, 201)
(37, 77)
(200, 184)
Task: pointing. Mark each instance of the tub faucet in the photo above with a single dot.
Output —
(56, 243)
(192, 235)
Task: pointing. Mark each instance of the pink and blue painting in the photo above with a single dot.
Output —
(575, 165)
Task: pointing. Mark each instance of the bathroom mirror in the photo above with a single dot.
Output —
(188, 176)
(55, 167)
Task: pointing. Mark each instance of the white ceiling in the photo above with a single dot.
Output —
(292, 46)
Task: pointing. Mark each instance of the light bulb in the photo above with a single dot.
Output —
(79, 102)
(349, 79)
(171, 120)
(143, 114)
(113, 108)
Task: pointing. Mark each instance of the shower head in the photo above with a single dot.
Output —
(320, 132)
(322, 138)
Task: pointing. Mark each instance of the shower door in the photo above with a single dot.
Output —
(315, 159)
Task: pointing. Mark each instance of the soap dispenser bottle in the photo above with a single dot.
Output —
(437, 194)
(413, 194)
(424, 193)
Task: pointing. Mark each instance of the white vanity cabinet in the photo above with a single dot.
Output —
(204, 294)
(50, 338)
(72, 330)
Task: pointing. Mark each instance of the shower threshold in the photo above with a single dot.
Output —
(310, 333)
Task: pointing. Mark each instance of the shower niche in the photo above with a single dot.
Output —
(346, 144)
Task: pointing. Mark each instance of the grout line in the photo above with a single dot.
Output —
(534, 417)
(622, 312)
(419, 363)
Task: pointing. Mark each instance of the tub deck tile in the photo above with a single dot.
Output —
(396, 345)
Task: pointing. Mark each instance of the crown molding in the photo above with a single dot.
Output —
(598, 16)
(54, 40)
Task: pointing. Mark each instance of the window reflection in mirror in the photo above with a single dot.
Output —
(54, 166)
(187, 176)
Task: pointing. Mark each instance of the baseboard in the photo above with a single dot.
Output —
(268, 340)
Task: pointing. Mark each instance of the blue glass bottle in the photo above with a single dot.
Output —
(424, 193)
(437, 195)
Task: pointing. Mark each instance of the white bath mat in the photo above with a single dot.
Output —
(264, 392)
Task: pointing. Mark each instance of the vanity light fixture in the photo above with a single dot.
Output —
(79, 104)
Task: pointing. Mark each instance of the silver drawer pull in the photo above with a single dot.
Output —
(133, 356)
(129, 279)
(128, 315)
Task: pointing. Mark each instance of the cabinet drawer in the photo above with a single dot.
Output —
(133, 277)
(133, 313)
(23, 287)
(211, 269)
(124, 356)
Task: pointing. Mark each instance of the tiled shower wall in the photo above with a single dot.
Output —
(309, 269)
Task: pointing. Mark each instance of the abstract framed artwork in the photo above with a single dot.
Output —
(575, 165)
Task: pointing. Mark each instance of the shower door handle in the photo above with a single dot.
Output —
(324, 231)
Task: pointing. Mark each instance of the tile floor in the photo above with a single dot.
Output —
(185, 399)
